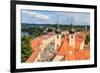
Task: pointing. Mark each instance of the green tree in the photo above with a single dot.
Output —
(87, 40)
(26, 49)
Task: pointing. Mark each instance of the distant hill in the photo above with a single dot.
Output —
(62, 26)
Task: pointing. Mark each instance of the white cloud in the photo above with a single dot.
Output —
(78, 18)
(37, 15)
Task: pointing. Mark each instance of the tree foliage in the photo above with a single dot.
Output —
(87, 40)
(25, 48)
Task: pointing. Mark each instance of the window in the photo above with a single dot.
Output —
(57, 37)
(71, 36)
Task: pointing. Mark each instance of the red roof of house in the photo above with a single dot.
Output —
(35, 44)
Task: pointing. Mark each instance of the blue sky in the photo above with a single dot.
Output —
(51, 17)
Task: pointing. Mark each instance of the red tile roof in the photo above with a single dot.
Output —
(64, 50)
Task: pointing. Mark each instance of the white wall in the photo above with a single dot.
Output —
(5, 37)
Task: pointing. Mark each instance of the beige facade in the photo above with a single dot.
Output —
(57, 41)
(72, 40)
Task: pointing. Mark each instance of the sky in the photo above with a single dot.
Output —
(54, 17)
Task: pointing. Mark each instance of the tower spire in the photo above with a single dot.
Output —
(57, 23)
(71, 26)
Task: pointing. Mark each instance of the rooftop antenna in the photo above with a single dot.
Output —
(71, 26)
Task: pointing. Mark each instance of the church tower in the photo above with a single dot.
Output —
(57, 41)
(72, 37)
(72, 40)
(57, 36)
